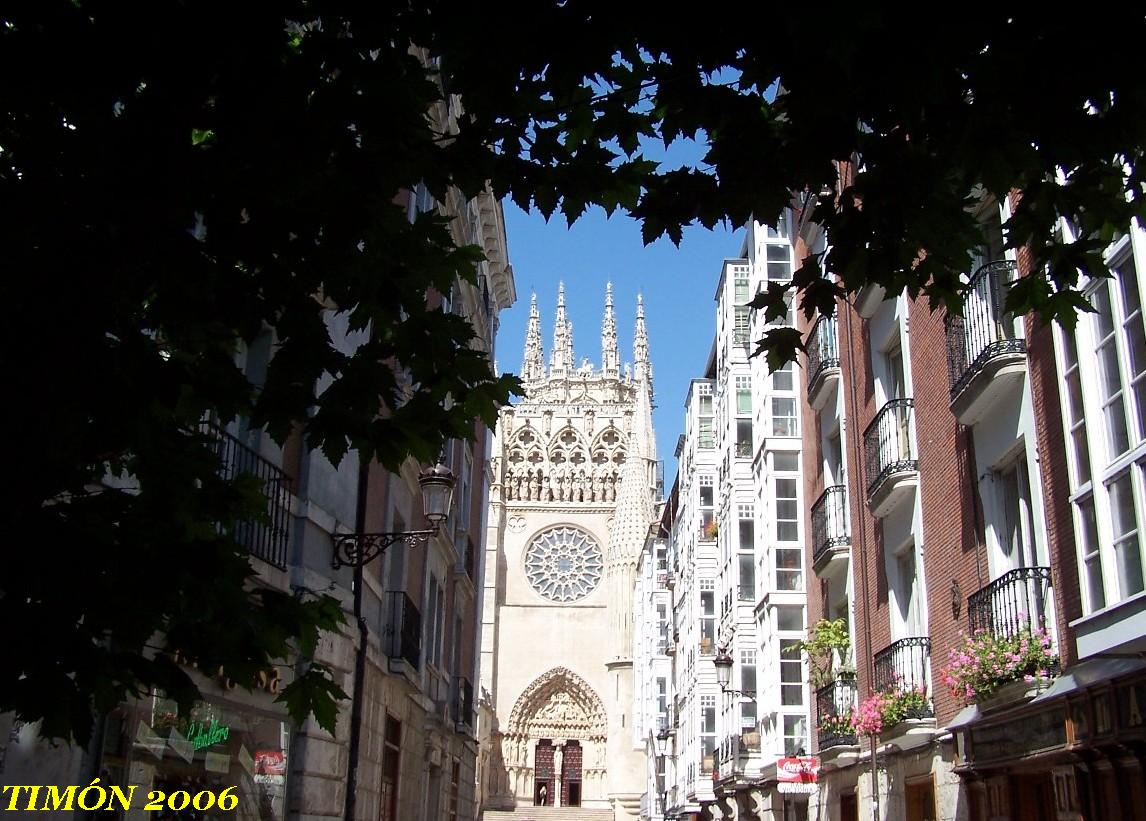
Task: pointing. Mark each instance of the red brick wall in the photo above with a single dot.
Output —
(952, 554)
(954, 557)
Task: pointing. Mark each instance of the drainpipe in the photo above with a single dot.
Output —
(359, 654)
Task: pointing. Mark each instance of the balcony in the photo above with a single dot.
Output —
(890, 457)
(823, 362)
(868, 299)
(831, 537)
(985, 360)
(463, 703)
(403, 633)
(267, 537)
(1012, 602)
(835, 706)
(904, 665)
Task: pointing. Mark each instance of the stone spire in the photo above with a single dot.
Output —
(561, 359)
(643, 370)
(610, 359)
(631, 521)
(533, 363)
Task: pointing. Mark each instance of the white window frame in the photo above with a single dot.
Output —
(1104, 470)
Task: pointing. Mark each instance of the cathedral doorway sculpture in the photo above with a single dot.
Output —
(556, 738)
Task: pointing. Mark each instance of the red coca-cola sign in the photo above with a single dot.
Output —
(799, 770)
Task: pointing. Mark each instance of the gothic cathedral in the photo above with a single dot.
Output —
(571, 502)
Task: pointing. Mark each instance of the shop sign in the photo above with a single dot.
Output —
(204, 735)
(270, 767)
(1014, 739)
(798, 769)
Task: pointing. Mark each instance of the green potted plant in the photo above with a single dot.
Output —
(826, 647)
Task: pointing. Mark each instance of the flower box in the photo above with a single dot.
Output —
(1014, 692)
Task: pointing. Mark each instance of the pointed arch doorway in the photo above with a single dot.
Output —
(555, 741)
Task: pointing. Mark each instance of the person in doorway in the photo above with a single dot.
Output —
(542, 795)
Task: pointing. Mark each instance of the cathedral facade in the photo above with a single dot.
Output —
(571, 502)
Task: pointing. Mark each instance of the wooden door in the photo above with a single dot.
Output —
(849, 807)
(921, 801)
(571, 775)
(543, 773)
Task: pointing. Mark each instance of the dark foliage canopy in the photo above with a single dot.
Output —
(177, 176)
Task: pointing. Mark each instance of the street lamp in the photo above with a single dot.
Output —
(663, 738)
(723, 664)
(358, 549)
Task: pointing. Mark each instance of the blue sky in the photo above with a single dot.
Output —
(678, 286)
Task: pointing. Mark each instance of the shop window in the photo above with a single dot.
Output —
(213, 746)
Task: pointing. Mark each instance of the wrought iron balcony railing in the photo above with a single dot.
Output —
(404, 629)
(823, 349)
(835, 706)
(1015, 600)
(904, 665)
(265, 538)
(888, 448)
(982, 330)
(830, 521)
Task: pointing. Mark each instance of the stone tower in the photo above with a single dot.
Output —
(571, 501)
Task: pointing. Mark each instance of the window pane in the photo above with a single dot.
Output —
(1103, 318)
(786, 461)
(782, 378)
(789, 617)
(1127, 551)
(1088, 544)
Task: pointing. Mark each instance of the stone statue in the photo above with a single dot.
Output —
(546, 492)
(509, 487)
(611, 488)
(598, 487)
(565, 489)
(535, 486)
(581, 495)
(519, 487)
(558, 758)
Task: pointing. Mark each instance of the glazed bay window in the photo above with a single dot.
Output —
(743, 395)
(746, 552)
(795, 734)
(1103, 394)
(707, 728)
(787, 510)
(791, 673)
(748, 685)
(783, 416)
(742, 316)
(707, 617)
(704, 437)
(740, 284)
(779, 259)
(743, 438)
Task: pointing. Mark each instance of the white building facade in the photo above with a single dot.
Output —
(572, 500)
(738, 552)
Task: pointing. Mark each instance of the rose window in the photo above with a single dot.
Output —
(564, 564)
